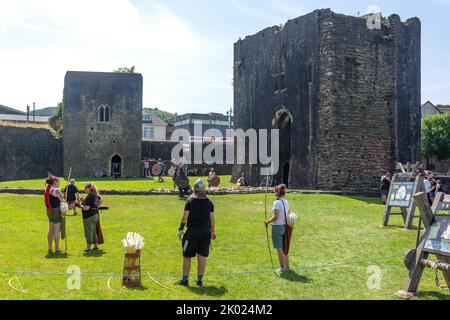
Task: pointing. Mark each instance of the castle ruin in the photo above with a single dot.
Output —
(345, 97)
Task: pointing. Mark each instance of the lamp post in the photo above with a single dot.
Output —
(229, 114)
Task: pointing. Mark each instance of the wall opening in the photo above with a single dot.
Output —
(116, 166)
(286, 174)
(283, 122)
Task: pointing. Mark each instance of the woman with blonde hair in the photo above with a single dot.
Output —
(53, 198)
(90, 207)
(280, 211)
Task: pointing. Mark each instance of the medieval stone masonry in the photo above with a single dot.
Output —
(103, 124)
(345, 97)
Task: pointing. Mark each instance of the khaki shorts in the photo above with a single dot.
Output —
(56, 218)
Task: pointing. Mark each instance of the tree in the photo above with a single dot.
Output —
(436, 136)
(126, 70)
(56, 121)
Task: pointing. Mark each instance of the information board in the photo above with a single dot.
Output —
(439, 238)
(401, 194)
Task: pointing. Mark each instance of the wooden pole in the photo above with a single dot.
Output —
(66, 220)
(267, 227)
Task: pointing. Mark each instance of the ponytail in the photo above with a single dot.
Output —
(93, 189)
(280, 190)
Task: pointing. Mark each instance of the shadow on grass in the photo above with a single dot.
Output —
(433, 294)
(294, 277)
(209, 291)
(95, 254)
(141, 288)
(56, 256)
(367, 200)
(399, 226)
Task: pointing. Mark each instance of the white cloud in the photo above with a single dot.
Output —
(113, 23)
(41, 40)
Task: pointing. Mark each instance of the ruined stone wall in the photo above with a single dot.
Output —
(274, 69)
(353, 92)
(357, 83)
(366, 123)
(90, 144)
(29, 153)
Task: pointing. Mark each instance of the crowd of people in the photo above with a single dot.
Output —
(432, 186)
(198, 219)
(58, 203)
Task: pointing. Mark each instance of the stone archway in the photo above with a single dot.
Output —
(116, 166)
(283, 122)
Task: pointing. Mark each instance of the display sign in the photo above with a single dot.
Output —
(439, 238)
(401, 194)
(443, 208)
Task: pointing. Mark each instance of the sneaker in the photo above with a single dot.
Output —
(200, 283)
(183, 283)
(87, 250)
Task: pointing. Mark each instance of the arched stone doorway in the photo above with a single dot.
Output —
(283, 122)
(116, 166)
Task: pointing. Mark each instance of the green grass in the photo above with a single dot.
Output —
(331, 229)
(114, 184)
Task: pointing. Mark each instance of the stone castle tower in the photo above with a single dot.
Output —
(345, 97)
(102, 124)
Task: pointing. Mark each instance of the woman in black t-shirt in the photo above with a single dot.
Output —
(90, 207)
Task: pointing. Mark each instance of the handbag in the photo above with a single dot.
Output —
(287, 234)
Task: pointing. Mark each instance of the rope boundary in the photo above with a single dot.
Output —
(222, 274)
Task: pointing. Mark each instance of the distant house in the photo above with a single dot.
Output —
(11, 115)
(153, 128)
(208, 121)
(444, 109)
(429, 109)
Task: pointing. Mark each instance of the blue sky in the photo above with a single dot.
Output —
(183, 48)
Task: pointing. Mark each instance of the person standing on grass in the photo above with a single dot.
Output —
(427, 184)
(279, 225)
(162, 172)
(53, 198)
(201, 229)
(211, 176)
(146, 168)
(72, 196)
(385, 186)
(90, 207)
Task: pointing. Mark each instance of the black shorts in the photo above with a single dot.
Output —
(196, 242)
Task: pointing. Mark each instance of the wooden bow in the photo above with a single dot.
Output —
(66, 220)
(267, 227)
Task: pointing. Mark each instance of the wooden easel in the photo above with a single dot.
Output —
(417, 259)
(408, 175)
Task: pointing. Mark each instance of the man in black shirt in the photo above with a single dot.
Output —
(199, 218)
(72, 196)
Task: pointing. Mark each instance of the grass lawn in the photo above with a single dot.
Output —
(331, 230)
(113, 184)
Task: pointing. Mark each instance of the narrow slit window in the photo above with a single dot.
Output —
(102, 114)
(107, 114)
